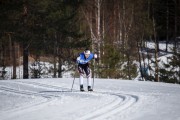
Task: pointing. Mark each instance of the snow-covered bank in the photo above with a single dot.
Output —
(52, 99)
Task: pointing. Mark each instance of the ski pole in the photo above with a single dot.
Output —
(93, 74)
(73, 79)
(73, 83)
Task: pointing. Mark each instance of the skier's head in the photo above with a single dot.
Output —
(87, 53)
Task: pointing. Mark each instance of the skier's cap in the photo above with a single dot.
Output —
(87, 52)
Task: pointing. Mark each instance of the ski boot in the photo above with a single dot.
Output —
(89, 88)
(81, 88)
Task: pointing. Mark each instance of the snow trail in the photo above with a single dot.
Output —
(53, 99)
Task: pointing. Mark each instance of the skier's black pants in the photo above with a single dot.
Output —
(84, 68)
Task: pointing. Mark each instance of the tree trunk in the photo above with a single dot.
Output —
(139, 55)
(175, 25)
(123, 30)
(98, 18)
(55, 69)
(156, 53)
(10, 50)
(25, 61)
(143, 57)
(25, 46)
(1, 53)
(55, 54)
(3, 59)
(167, 26)
(60, 68)
(14, 60)
(150, 37)
(128, 64)
(120, 25)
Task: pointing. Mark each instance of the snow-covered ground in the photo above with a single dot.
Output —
(52, 99)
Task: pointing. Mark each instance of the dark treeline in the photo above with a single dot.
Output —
(116, 30)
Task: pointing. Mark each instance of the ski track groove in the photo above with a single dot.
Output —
(47, 97)
(113, 108)
(26, 92)
(125, 101)
(42, 85)
(16, 110)
(121, 103)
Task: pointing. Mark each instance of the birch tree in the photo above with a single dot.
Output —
(92, 12)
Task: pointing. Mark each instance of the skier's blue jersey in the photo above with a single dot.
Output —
(83, 60)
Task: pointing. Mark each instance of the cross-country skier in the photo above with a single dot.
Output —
(83, 67)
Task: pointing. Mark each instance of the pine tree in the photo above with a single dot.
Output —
(175, 66)
(170, 72)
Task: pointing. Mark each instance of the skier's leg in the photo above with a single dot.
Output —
(81, 72)
(89, 77)
(89, 80)
(81, 79)
(89, 84)
(81, 82)
(88, 74)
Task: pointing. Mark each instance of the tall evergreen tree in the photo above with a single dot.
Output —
(170, 72)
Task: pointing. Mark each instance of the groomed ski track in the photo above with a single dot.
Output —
(118, 102)
(50, 100)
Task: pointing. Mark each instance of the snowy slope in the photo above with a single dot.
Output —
(52, 99)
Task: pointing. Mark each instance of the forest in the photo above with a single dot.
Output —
(55, 31)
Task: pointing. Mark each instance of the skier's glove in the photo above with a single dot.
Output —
(95, 56)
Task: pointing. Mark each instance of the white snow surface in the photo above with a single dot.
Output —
(52, 99)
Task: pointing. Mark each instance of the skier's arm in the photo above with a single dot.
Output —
(78, 60)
